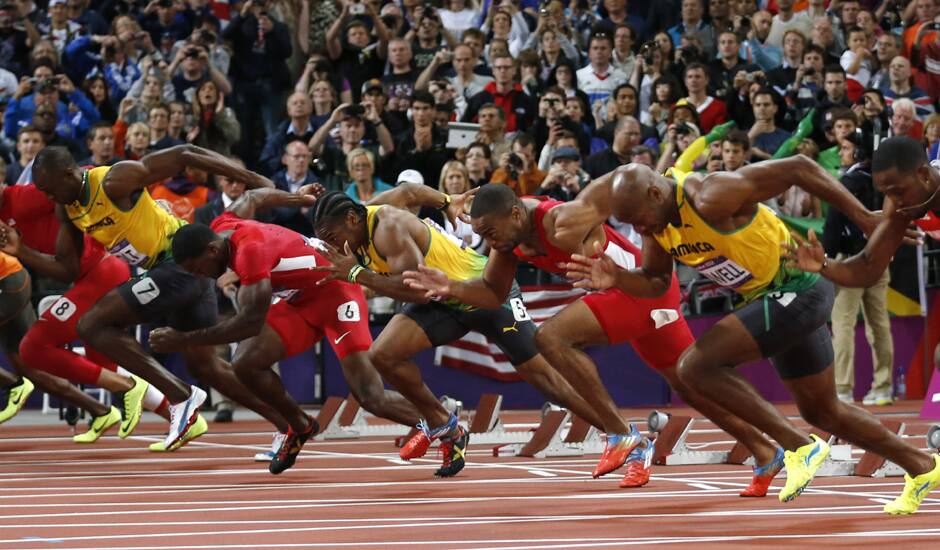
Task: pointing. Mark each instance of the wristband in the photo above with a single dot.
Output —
(825, 264)
(354, 273)
(447, 202)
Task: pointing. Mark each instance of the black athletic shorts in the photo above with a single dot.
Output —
(167, 295)
(16, 313)
(509, 326)
(790, 328)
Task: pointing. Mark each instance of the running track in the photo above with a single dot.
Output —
(358, 494)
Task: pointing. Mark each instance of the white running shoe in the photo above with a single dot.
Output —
(182, 416)
(846, 397)
(878, 398)
(268, 456)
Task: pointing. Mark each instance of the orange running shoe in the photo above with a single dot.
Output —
(618, 448)
(763, 475)
(639, 466)
(417, 446)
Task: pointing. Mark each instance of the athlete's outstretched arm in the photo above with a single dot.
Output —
(861, 270)
(723, 194)
(487, 292)
(412, 195)
(258, 200)
(253, 300)
(600, 272)
(64, 265)
(593, 203)
(128, 176)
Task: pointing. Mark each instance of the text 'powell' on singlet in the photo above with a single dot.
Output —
(746, 260)
(141, 236)
(445, 252)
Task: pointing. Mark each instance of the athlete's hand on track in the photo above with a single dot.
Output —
(807, 254)
(341, 262)
(9, 240)
(433, 282)
(598, 273)
(166, 340)
(460, 206)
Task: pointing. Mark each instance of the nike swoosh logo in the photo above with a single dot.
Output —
(19, 397)
(341, 337)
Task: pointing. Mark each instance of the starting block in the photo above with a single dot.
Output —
(672, 448)
(486, 428)
(933, 437)
(841, 462)
(551, 439)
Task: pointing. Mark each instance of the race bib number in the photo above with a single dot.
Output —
(126, 252)
(724, 272)
(145, 290)
(63, 309)
(348, 312)
(783, 298)
(519, 312)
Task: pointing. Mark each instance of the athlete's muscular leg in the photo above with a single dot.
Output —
(391, 354)
(366, 386)
(60, 387)
(560, 339)
(815, 396)
(762, 449)
(538, 373)
(104, 327)
(708, 366)
(204, 364)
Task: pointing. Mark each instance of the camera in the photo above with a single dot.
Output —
(192, 52)
(544, 12)
(810, 71)
(646, 50)
(683, 129)
(354, 110)
(110, 50)
(516, 165)
(207, 37)
(933, 26)
(357, 9)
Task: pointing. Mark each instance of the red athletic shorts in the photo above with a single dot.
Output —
(104, 276)
(626, 318)
(337, 310)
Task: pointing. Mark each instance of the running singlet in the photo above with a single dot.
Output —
(140, 236)
(445, 252)
(746, 260)
(29, 211)
(930, 223)
(265, 251)
(617, 247)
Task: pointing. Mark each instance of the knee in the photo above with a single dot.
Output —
(689, 369)
(370, 398)
(549, 341)
(382, 360)
(87, 329)
(822, 414)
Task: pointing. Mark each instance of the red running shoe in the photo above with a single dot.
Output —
(639, 466)
(417, 446)
(763, 475)
(616, 451)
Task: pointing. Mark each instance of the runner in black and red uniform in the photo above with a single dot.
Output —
(275, 262)
(29, 230)
(546, 233)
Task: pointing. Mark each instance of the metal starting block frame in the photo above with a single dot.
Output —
(672, 448)
(841, 462)
(554, 437)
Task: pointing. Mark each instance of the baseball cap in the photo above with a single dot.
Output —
(411, 176)
(373, 84)
(566, 153)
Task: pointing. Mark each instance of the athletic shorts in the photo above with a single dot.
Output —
(790, 328)
(16, 313)
(626, 318)
(509, 326)
(337, 310)
(90, 287)
(167, 295)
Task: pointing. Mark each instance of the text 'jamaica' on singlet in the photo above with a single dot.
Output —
(445, 252)
(746, 260)
(140, 236)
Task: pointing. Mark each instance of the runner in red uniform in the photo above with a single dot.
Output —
(546, 233)
(275, 262)
(29, 230)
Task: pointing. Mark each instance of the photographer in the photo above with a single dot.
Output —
(729, 62)
(428, 36)
(518, 169)
(162, 17)
(692, 24)
(355, 55)
(872, 112)
(58, 27)
(552, 120)
(331, 156)
(259, 68)
(44, 88)
(565, 178)
(16, 41)
(195, 67)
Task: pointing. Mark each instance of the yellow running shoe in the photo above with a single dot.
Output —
(99, 425)
(915, 489)
(16, 398)
(133, 402)
(801, 466)
(198, 428)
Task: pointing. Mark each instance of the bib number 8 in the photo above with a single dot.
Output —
(63, 309)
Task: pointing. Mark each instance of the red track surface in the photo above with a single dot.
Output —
(357, 494)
